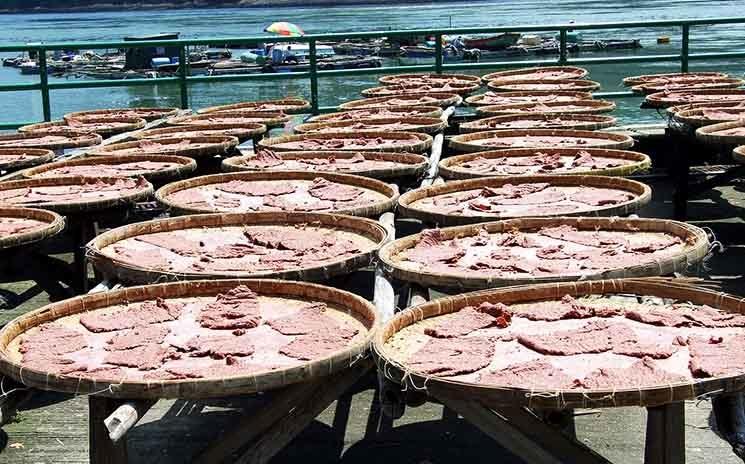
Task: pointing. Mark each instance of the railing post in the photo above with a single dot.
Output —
(313, 75)
(438, 53)
(562, 46)
(44, 81)
(183, 72)
(684, 45)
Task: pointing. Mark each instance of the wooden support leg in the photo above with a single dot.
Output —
(665, 441)
(729, 413)
(13, 395)
(561, 419)
(102, 449)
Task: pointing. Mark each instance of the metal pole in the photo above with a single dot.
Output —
(183, 68)
(44, 81)
(438, 53)
(684, 45)
(313, 76)
(562, 46)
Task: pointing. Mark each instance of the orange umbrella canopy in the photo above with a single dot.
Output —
(285, 28)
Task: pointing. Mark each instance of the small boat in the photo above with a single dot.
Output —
(494, 42)
(233, 67)
(29, 67)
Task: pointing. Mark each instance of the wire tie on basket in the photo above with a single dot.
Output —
(708, 396)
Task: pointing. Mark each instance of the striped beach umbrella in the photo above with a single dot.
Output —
(285, 28)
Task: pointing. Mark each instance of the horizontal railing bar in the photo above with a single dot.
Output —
(714, 56)
(249, 77)
(624, 59)
(110, 83)
(20, 87)
(498, 64)
(619, 94)
(382, 70)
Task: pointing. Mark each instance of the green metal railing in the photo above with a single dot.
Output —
(183, 79)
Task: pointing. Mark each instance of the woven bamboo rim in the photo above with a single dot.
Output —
(145, 189)
(579, 73)
(450, 168)
(130, 125)
(214, 146)
(644, 78)
(694, 117)
(55, 224)
(185, 166)
(708, 134)
(162, 112)
(463, 142)
(82, 139)
(132, 273)
(423, 125)
(373, 210)
(690, 84)
(405, 112)
(194, 388)
(269, 119)
(738, 154)
(461, 89)
(410, 165)
(424, 144)
(403, 78)
(291, 106)
(665, 99)
(671, 110)
(495, 396)
(443, 100)
(507, 85)
(478, 100)
(37, 156)
(585, 107)
(242, 132)
(571, 121)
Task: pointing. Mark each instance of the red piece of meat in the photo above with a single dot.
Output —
(257, 188)
(149, 312)
(643, 373)
(600, 197)
(174, 242)
(652, 244)
(469, 319)
(432, 248)
(139, 336)
(447, 357)
(236, 309)
(220, 346)
(332, 191)
(297, 204)
(153, 259)
(588, 238)
(230, 367)
(317, 344)
(593, 337)
(52, 339)
(530, 375)
(567, 308)
(144, 358)
(716, 356)
(310, 318)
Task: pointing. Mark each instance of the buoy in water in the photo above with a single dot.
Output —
(663, 39)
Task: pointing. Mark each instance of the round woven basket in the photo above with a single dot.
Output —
(461, 89)
(375, 113)
(133, 273)
(571, 107)
(145, 189)
(713, 134)
(576, 121)
(95, 125)
(210, 146)
(642, 195)
(74, 139)
(566, 72)
(185, 167)
(527, 85)
(698, 117)
(689, 84)
(431, 78)
(390, 361)
(148, 114)
(284, 105)
(408, 164)
(424, 143)
(54, 225)
(450, 168)
(442, 100)
(511, 98)
(374, 210)
(424, 125)
(665, 99)
(645, 78)
(34, 157)
(227, 119)
(465, 142)
(242, 132)
(261, 381)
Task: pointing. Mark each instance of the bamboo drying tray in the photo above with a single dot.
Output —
(461, 89)
(144, 191)
(424, 144)
(354, 305)
(708, 134)
(637, 80)
(269, 119)
(374, 210)
(220, 145)
(572, 72)
(570, 107)
(242, 132)
(535, 96)
(55, 224)
(148, 114)
(129, 124)
(36, 156)
(406, 78)
(131, 272)
(738, 154)
(410, 164)
(450, 167)
(642, 195)
(371, 113)
(75, 139)
(424, 125)
(442, 100)
(689, 84)
(464, 142)
(665, 99)
(288, 105)
(695, 117)
(526, 85)
(576, 121)
(185, 166)
(390, 362)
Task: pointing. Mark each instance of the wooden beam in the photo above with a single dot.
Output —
(384, 296)
(125, 417)
(101, 449)
(665, 441)
(12, 396)
(729, 413)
